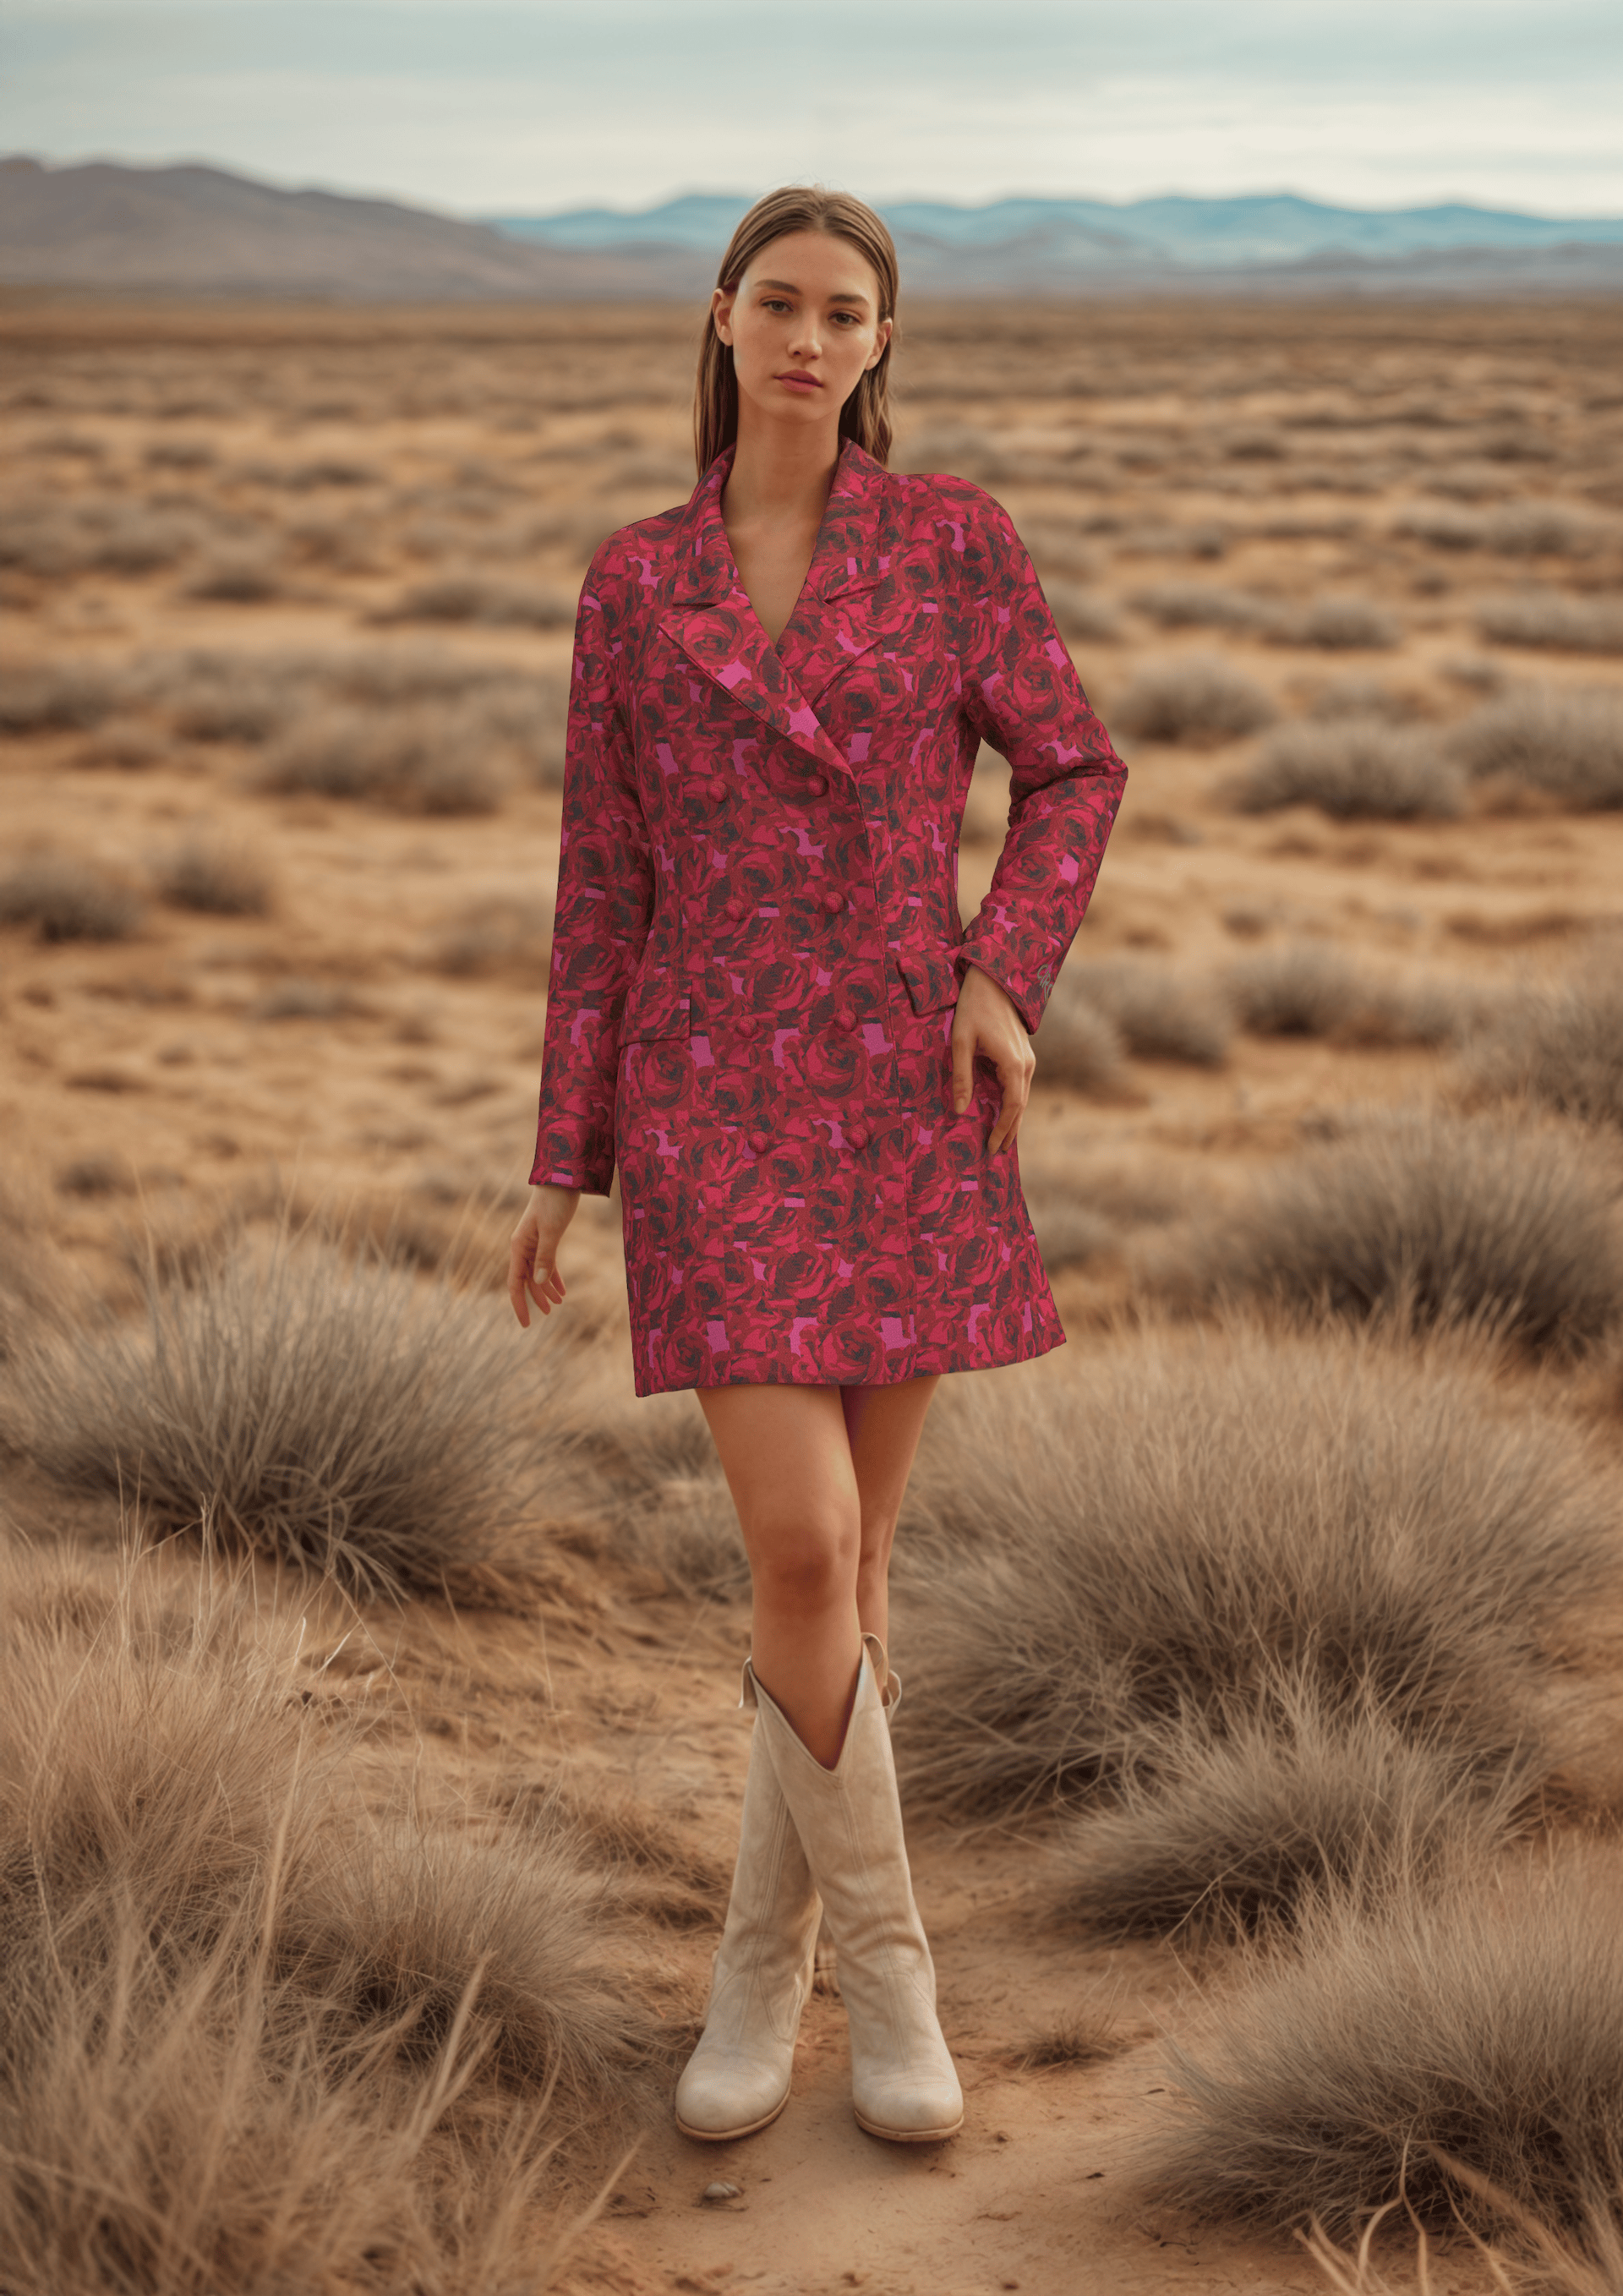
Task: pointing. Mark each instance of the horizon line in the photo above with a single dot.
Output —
(484, 215)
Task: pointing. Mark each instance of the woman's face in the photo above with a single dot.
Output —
(804, 325)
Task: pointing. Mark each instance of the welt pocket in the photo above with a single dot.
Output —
(930, 977)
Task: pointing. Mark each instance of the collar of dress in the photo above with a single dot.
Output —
(832, 626)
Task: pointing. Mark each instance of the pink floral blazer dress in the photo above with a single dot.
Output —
(758, 949)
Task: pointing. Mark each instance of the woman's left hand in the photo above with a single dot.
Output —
(986, 1023)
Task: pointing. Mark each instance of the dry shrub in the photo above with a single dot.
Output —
(651, 1474)
(1069, 1231)
(295, 999)
(66, 900)
(1335, 622)
(435, 758)
(58, 697)
(1565, 742)
(1356, 768)
(1078, 1044)
(1205, 605)
(1082, 614)
(1094, 1557)
(216, 881)
(250, 575)
(1308, 989)
(1560, 1046)
(276, 2036)
(1553, 618)
(1157, 1014)
(1364, 697)
(341, 1418)
(1192, 698)
(473, 597)
(1483, 2022)
(1421, 1218)
(1543, 530)
(1229, 1822)
(491, 936)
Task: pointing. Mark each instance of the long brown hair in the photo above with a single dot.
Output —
(865, 415)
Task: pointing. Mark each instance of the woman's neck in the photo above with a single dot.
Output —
(780, 473)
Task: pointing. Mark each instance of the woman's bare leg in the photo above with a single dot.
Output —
(884, 1424)
(817, 1475)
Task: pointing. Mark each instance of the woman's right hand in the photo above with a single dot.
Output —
(532, 1256)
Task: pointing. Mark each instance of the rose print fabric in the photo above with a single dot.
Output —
(757, 950)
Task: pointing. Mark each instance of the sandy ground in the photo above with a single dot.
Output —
(207, 1063)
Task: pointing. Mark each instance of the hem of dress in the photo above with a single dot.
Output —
(761, 1369)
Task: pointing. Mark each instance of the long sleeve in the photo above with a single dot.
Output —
(1020, 693)
(605, 902)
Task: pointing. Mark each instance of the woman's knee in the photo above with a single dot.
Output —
(804, 1559)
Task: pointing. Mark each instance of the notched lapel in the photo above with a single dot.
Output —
(833, 624)
(728, 644)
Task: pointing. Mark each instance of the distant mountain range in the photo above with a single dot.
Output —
(197, 230)
(1054, 246)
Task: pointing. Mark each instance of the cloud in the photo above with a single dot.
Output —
(542, 105)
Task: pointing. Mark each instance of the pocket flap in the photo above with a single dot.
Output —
(930, 976)
(655, 1006)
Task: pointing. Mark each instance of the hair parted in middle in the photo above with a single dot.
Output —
(865, 415)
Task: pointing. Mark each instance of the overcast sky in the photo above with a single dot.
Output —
(539, 104)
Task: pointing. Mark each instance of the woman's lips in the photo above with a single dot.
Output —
(796, 381)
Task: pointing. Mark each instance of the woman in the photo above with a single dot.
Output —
(764, 1011)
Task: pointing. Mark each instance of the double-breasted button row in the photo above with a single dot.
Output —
(857, 1138)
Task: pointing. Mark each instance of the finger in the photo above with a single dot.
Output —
(539, 1283)
(1016, 1093)
(964, 1068)
(519, 1266)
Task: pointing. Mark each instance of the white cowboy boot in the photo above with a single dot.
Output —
(737, 2079)
(849, 1821)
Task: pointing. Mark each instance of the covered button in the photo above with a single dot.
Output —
(857, 1135)
(817, 786)
(759, 1142)
(716, 787)
(745, 1026)
(737, 910)
(845, 1018)
(834, 903)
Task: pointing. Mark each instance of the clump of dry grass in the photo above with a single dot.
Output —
(1337, 622)
(276, 2036)
(1562, 1046)
(1205, 605)
(66, 900)
(1553, 618)
(1564, 742)
(217, 880)
(1483, 2024)
(1082, 613)
(429, 759)
(1069, 1231)
(505, 935)
(1094, 1557)
(1159, 1014)
(1192, 698)
(339, 1417)
(473, 597)
(1354, 769)
(246, 575)
(1229, 1822)
(1423, 1219)
(58, 698)
(1307, 989)
(1078, 1044)
(1364, 697)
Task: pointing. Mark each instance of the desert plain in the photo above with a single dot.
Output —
(1323, 1156)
